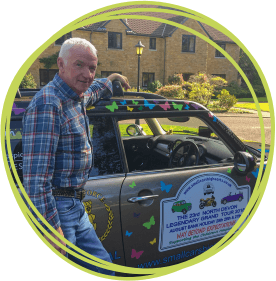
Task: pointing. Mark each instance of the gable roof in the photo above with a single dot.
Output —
(153, 28)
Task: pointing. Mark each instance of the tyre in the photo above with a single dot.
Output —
(224, 201)
(240, 199)
(214, 204)
(201, 206)
(184, 211)
(173, 211)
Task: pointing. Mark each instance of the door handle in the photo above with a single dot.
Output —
(141, 198)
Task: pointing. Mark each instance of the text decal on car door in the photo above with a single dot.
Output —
(205, 207)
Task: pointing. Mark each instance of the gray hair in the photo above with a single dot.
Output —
(69, 43)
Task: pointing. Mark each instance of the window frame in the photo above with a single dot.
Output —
(188, 36)
(152, 47)
(121, 40)
(218, 54)
(148, 78)
(48, 76)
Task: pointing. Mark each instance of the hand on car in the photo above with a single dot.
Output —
(121, 78)
(59, 230)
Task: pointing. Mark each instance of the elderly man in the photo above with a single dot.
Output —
(57, 147)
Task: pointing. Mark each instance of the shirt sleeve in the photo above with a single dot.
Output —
(99, 89)
(41, 128)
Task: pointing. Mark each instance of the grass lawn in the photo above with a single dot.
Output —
(262, 99)
(264, 106)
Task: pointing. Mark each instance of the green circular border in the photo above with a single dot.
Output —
(260, 189)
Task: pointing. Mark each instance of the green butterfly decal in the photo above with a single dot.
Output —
(150, 223)
(140, 108)
(112, 107)
(133, 184)
(135, 102)
(177, 106)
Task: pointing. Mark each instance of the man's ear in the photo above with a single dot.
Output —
(61, 64)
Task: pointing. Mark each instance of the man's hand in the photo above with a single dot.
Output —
(59, 230)
(121, 78)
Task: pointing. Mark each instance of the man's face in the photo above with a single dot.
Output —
(79, 71)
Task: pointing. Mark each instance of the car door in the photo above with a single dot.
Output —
(103, 187)
(155, 234)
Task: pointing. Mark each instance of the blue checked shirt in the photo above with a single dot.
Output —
(56, 141)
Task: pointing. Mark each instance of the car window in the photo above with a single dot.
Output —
(127, 127)
(106, 155)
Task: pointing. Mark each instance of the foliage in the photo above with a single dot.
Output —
(154, 86)
(176, 79)
(263, 106)
(49, 61)
(226, 100)
(134, 89)
(172, 92)
(28, 82)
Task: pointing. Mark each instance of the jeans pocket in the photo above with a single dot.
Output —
(65, 205)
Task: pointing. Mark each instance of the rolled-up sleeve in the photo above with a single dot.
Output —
(41, 129)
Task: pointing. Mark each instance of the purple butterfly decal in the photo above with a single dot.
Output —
(196, 106)
(156, 101)
(17, 110)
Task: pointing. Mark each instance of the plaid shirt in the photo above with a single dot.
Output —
(57, 147)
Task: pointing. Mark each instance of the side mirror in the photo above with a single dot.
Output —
(244, 162)
(135, 130)
(204, 131)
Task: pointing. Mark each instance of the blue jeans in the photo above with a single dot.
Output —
(78, 230)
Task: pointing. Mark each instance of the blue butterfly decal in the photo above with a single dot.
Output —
(123, 102)
(128, 233)
(255, 173)
(187, 107)
(149, 105)
(215, 119)
(165, 187)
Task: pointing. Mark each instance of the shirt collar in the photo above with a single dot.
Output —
(66, 90)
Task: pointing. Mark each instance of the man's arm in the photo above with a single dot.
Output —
(41, 127)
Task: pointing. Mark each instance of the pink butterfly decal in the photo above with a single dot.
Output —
(165, 106)
(186, 102)
(247, 179)
(210, 114)
(17, 110)
(135, 254)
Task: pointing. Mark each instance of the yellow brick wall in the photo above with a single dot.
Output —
(125, 60)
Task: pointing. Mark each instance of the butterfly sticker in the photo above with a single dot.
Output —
(177, 106)
(156, 101)
(255, 173)
(210, 114)
(140, 108)
(187, 107)
(149, 105)
(150, 223)
(132, 185)
(90, 107)
(153, 241)
(165, 106)
(247, 179)
(195, 106)
(112, 107)
(229, 171)
(135, 254)
(128, 233)
(215, 119)
(129, 108)
(16, 110)
(135, 102)
(123, 102)
(136, 215)
(165, 187)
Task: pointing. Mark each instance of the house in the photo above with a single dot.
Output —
(168, 50)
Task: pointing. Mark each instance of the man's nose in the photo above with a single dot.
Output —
(86, 72)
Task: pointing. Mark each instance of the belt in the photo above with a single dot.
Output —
(64, 192)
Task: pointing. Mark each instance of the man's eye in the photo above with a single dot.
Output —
(78, 64)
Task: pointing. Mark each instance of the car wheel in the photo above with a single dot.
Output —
(173, 211)
(184, 211)
(224, 201)
(201, 206)
(240, 199)
(204, 193)
(214, 204)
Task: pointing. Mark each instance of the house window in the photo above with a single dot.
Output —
(188, 43)
(152, 44)
(147, 78)
(105, 74)
(114, 40)
(220, 75)
(218, 53)
(186, 76)
(63, 38)
(46, 75)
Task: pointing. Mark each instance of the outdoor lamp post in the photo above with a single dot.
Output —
(139, 50)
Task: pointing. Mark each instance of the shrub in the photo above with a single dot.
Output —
(176, 79)
(226, 100)
(154, 86)
(28, 82)
(134, 89)
(201, 93)
(172, 91)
